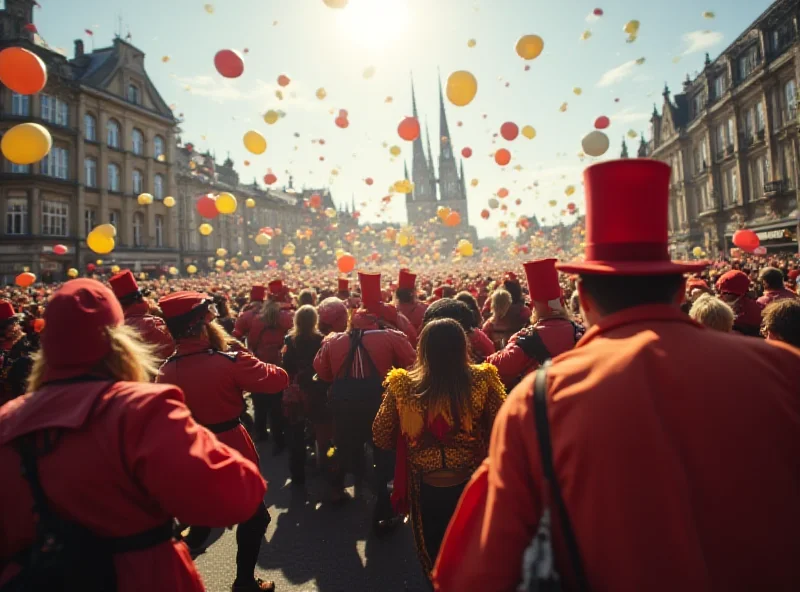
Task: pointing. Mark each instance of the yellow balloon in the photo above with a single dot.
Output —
(465, 248)
(697, 251)
(330, 212)
(395, 150)
(169, 201)
(144, 199)
(173, 271)
(250, 202)
(529, 132)
(271, 116)
(577, 90)
(106, 230)
(307, 260)
(462, 87)
(471, 43)
(206, 229)
(219, 263)
(289, 249)
(529, 47)
(585, 35)
(474, 182)
(257, 258)
(262, 239)
(403, 239)
(115, 269)
(226, 203)
(221, 252)
(72, 272)
(191, 269)
(255, 142)
(26, 143)
(100, 243)
(321, 93)
(631, 27)
(569, 190)
(403, 186)
(442, 212)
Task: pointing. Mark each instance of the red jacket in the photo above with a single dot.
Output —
(771, 296)
(414, 313)
(266, 343)
(387, 348)
(500, 332)
(676, 451)
(558, 336)
(482, 347)
(748, 316)
(215, 382)
(130, 458)
(153, 330)
(245, 319)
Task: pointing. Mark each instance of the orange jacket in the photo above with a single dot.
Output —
(130, 457)
(676, 449)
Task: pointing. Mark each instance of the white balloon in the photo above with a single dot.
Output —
(595, 143)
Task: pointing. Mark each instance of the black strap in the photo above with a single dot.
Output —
(223, 426)
(355, 344)
(532, 344)
(546, 453)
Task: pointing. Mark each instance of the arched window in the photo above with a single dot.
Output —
(113, 133)
(90, 127)
(158, 186)
(138, 228)
(113, 177)
(138, 181)
(158, 147)
(137, 141)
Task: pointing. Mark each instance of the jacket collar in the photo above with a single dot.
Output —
(638, 315)
(138, 309)
(193, 345)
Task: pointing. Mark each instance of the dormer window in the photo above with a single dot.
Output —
(134, 94)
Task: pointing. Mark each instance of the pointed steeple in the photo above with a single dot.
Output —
(405, 170)
(448, 173)
(353, 201)
(413, 99)
(428, 140)
(421, 174)
(463, 184)
(624, 153)
(642, 152)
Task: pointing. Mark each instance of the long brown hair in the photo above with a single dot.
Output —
(305, 322)
(441, 373)
(270, 313)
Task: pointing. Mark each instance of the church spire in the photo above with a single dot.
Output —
(448, 173)
(624, 153)
(421, 173)
(353, 201)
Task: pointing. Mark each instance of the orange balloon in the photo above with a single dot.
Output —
(502, 157)
(284, 80)
(346, 263)
(408, 129)
(25, 279)
(452, 219)
(502, 192)
(369, 181)
(315, 201)
(22, 71)
(342, 122)
(38, 325)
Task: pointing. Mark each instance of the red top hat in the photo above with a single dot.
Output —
(344, 285)
(180, 303)
(276, 287)
(542, 280)
(7, 311)
(370, 290)
(626, 221)
(124, 284)
(438, 292)
(258, 293)
(407, 280)
(733, 282)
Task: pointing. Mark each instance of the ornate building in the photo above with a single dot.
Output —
(731, 138)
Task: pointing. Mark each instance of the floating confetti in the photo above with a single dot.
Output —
(369, 72)
(563, 107)
(586, 35)
(471, 43)
(708, 14)
(209, 8)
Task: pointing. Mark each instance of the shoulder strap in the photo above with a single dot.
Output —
(546, 453)
(532, 344)
(27, 450)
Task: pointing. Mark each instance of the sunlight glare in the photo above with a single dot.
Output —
(373, 23)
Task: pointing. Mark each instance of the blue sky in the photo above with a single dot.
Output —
(317, 46)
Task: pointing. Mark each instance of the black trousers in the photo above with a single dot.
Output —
(269, 405)
(296, 441)
(437, 506)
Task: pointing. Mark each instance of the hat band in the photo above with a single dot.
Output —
(640, 251)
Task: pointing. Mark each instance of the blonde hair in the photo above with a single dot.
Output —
(713, 313)
(501, 302)
(305, 321)
(270, 313)
(218, 338)
(130, 359)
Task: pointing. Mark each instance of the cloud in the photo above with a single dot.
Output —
(260, 93)
(698, 41)
(628, 115)
(617, 74)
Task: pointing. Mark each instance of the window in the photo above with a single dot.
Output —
(113, 218)
(760, 116)
(90, 127)
(17, 215)
(787, 161)
(138, 182)
(734, 186)
(112, 133)
(89, 220)
(159, 231)
(747, 123)
(138, 226)
(158, 186)
(720, 139)
(90, 172)
(706, 202)
(55, 164)
(113, 177)
(137, 139)
(731, 131)
(20, 104)
(55, 217)
(54, 110)
(697, 104)
(759, 174)
(748, 62)
(158, 146)
(23, 169)
(719, 86)
(134, 96)
(700, 157)
(791, 104)
(730, 189)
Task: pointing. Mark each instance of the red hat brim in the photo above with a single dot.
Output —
(632, 267)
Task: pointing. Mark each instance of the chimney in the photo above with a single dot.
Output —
(78, 48)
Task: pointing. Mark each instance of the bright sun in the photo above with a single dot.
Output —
(372, 23)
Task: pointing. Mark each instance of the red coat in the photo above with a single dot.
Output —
(245, 319)
(513, 363)
(266, 343)
(748, 316)
(130, 458)
(481, 345)
(771, 296)
(387, 348)
(676, 450)
(414, 313)
(153, 330)
(214, 383)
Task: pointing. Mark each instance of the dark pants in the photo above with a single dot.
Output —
(437, 506)
(264, 405)
(296, 440)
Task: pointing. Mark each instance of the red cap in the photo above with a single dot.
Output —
(344, 285)
(693, 283)
(794, 273)
(74, 339)
(370, 290)
(438, 292)
(626, 221)
(276, 287)
(406, 280)
(542, 280)
(733, 282)
(123, 284)
(258, 293)
(332, 312)
(6, 310)
(180, 303)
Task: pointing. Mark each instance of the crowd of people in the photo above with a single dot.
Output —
(585, 423)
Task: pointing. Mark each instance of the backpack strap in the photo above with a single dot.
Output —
(532, 344)
(546, 454)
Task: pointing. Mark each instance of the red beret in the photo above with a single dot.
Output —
(693, 283)
(181, 303)
(733, 282)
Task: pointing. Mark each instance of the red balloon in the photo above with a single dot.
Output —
(60, 250)
(518, 201)
(602, 122)
(207, 207)
(485, 214)
(466, 152)
(284, 80)
(408, 129)
(90, 267)
(502, 157)
(369, 181)
(229, 63)
(346, 263)
(571, 207)
(342, 123)
(598, 12)
(502, 192)
(509, 131)
(315, 201)
(270, 178)
(747, 240)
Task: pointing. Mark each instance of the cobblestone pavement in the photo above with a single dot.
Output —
(313, 546)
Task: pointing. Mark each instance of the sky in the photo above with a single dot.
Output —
(321, 47)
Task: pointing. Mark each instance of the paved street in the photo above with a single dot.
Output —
(314, 546)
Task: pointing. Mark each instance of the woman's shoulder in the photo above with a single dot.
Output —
(398, 380)
(483, 373)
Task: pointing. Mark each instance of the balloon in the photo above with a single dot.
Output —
(509, 131)
(552, 203)
(106, 230)
(270, 178)
(25, 279)
(697, 251)
(229, 63)
(307, 261)
(72, 273)
(207, 207)
(262, 239)
(569, 190)
(255, 142)
(578, 91)
(60, 250)
(369, 181)
(395, 151)
(169, 201)
(271, 116)
(708, 14)
(26, 143)
(250, 202)
(631, 27)
(403, 186)
(466, 152)
(329, 212)
(452, 219)
(173, 271)
(321, 93)
(289, 249)
(474, 182)
(209, 8)
(461, 88)
(221, 252)
(205, 229)
(191, 269)
(315, 201)
(529, 132)
(335, 3)
(99, 242)
(465, 248)
(346, 263)
(529, 47)
(762, 250)
(408, 129)
(602, 122)
(747, 240)
(342, 122)
(219, 263)
(22, 71)
(502, 157)
(493, 203)
(595, 143)
(502, 192)
(485, 214)
(226, 203)
(597, 12)
(284, 80)
(586, 35)
(144, 199)
(442, 212)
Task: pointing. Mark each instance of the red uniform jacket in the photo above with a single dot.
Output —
(676, 450)
(266, 342)
(500, 332)
(482, 347)
(558, 336)
(387, 348)
(245, 319)
(214, 383)
(414, 313)
(130, 458)
(748, 316)
(153, 330)
(771, 296)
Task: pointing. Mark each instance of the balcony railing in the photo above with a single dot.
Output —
(775, 187)
(729, 149)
